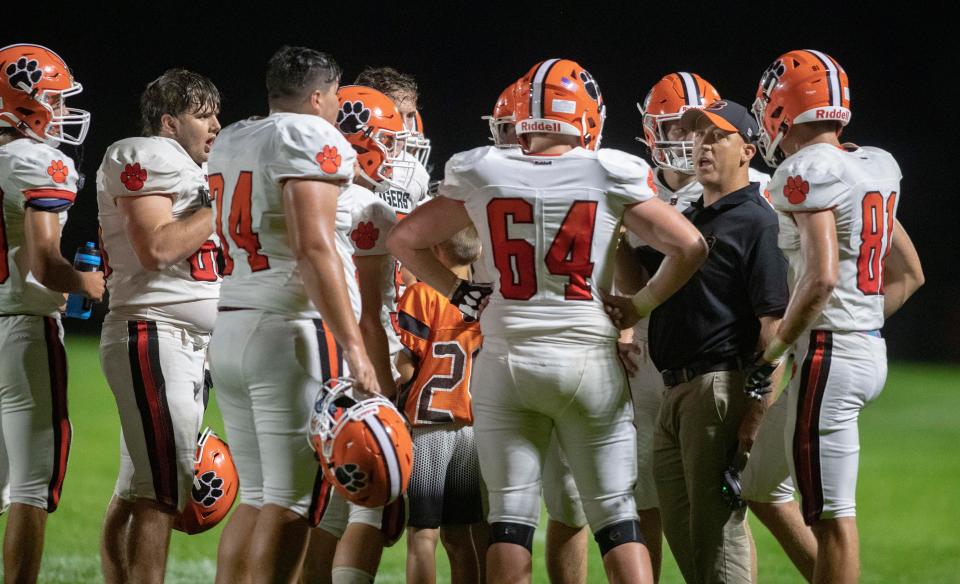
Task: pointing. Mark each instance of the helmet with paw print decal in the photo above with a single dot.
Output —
(215, 486)
(372, 124)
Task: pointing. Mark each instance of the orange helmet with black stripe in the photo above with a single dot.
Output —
(372, 124)
(34, 83)
(504, 117)
(661, 110)
(558, 96)
(363, 443)
(799, 87)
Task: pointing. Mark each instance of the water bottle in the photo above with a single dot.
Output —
(86, 260)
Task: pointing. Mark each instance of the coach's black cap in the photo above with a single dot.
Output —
(726, 115)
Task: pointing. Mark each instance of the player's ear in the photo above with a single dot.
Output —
(169, 124)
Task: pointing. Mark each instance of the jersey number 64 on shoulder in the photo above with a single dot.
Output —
(240, 227)
(568, 254)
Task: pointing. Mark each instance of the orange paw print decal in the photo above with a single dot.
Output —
(796, 189)
(365, 235)
(133, 176)
(329, 159)
(58, 171)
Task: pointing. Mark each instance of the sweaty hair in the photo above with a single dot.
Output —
(295, 71)
(464, 247)
(387, 80)
(176, 92)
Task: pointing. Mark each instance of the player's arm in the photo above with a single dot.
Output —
(370, 271)
(684, 250)
(406, 367)
(411, 240)
(818, 242)
(159, 240)
(310, 208)
(902, 272)
(49, 267)
(630, 274)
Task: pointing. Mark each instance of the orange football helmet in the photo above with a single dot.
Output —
(364, 446)
(799, 87)
(558, 96)
(34, 86)
(417, 143)
(503, 119)
(215, 486)
(371, 122)
(666, 102)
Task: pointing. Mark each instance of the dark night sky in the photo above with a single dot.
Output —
(463, 57)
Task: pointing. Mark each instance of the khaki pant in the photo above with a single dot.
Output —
(694, 440)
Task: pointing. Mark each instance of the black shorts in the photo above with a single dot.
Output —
(445, 485)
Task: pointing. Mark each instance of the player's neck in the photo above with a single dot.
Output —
(462, 272)
(676, 180)
(7, 137)
(803, 135)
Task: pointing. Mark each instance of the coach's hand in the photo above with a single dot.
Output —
(625, 352)
(361, 369)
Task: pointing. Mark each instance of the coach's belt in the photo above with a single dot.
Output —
(673, 377)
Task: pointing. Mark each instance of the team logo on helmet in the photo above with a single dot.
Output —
(772, 76)
(351, 477)
(352, 117)
(589, 85)
(207, 489)
(24, 73)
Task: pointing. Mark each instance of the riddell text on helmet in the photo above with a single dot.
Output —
(833, 115)
(539, 126)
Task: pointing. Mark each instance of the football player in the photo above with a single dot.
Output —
(671, 150)
(445, 488)
(411, 183)
(38, 184)
(350, 538)
(547, 215)
(837, 205)
(566, 545)
(157, 231)
(289, 308)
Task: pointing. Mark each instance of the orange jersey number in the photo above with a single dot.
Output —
(876, 231)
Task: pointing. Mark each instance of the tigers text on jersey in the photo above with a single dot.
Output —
(32, 175)
(861, 185)
(363, 221)
(248, 164)
(443, 345)
(135, 167)
(549, 227)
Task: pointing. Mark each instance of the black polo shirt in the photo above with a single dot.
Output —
(715, 315)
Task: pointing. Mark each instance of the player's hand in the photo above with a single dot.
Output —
(625, 352)
(758, 375)
(361, 370)
(92, 285)
(468, 297)
(620, 310)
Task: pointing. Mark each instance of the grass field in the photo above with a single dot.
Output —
(908, 497)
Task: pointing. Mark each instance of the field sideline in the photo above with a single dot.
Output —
(907, 497)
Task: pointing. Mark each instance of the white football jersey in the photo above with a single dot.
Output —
(139, 166)
(42, 177)
(549, 227)
(248, 164)
(682, 198)
(370, 221)
(862, 187)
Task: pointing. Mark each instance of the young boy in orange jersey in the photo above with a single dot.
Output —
(440, 344)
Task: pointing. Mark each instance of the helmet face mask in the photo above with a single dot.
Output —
(676, 155)
(34, 85)
(417, 143)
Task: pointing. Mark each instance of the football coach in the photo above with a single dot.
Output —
(703, 337)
